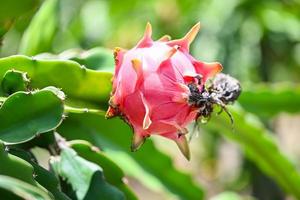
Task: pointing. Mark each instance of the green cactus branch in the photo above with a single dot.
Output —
(70, 109)
(78, 83)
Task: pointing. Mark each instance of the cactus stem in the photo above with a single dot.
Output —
(69, 109)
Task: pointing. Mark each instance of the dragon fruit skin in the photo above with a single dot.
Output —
(150, 87)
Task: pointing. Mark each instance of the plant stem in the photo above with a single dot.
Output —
(70, 109)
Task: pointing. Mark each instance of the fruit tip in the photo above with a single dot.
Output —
(137, 141)
(146, 41)
(148, 30)
(186, 41)
(183, 146)
(190, 36)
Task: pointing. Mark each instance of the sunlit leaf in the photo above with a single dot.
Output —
(98, 58)
(86, 178)
(112, 172)
(39, 34)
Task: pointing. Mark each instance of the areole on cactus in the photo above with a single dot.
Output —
(150, 87)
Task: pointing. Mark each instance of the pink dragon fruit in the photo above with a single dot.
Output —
(150, 89)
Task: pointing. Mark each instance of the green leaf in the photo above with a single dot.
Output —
(12, 166)
(15, 8)
(21, 189)
(86, 178)
(4, 27)
(77, 82)
(270, 100)
(44, 140)
(115, 134)
(39, 34)
(12, 9)
(14, 81)
(259, 146)
(26, 114)
(44, 177)
(112, 172)
(98, 58)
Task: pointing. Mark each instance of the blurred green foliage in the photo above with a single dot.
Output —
(258, 42)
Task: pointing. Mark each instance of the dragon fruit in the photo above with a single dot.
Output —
(150, 87)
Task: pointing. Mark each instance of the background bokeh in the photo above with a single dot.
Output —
(258, 42)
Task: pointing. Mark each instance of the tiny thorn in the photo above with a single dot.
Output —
(125, 180)
(95, 149)
(183, 146)
(6, 148)
(137, 141)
